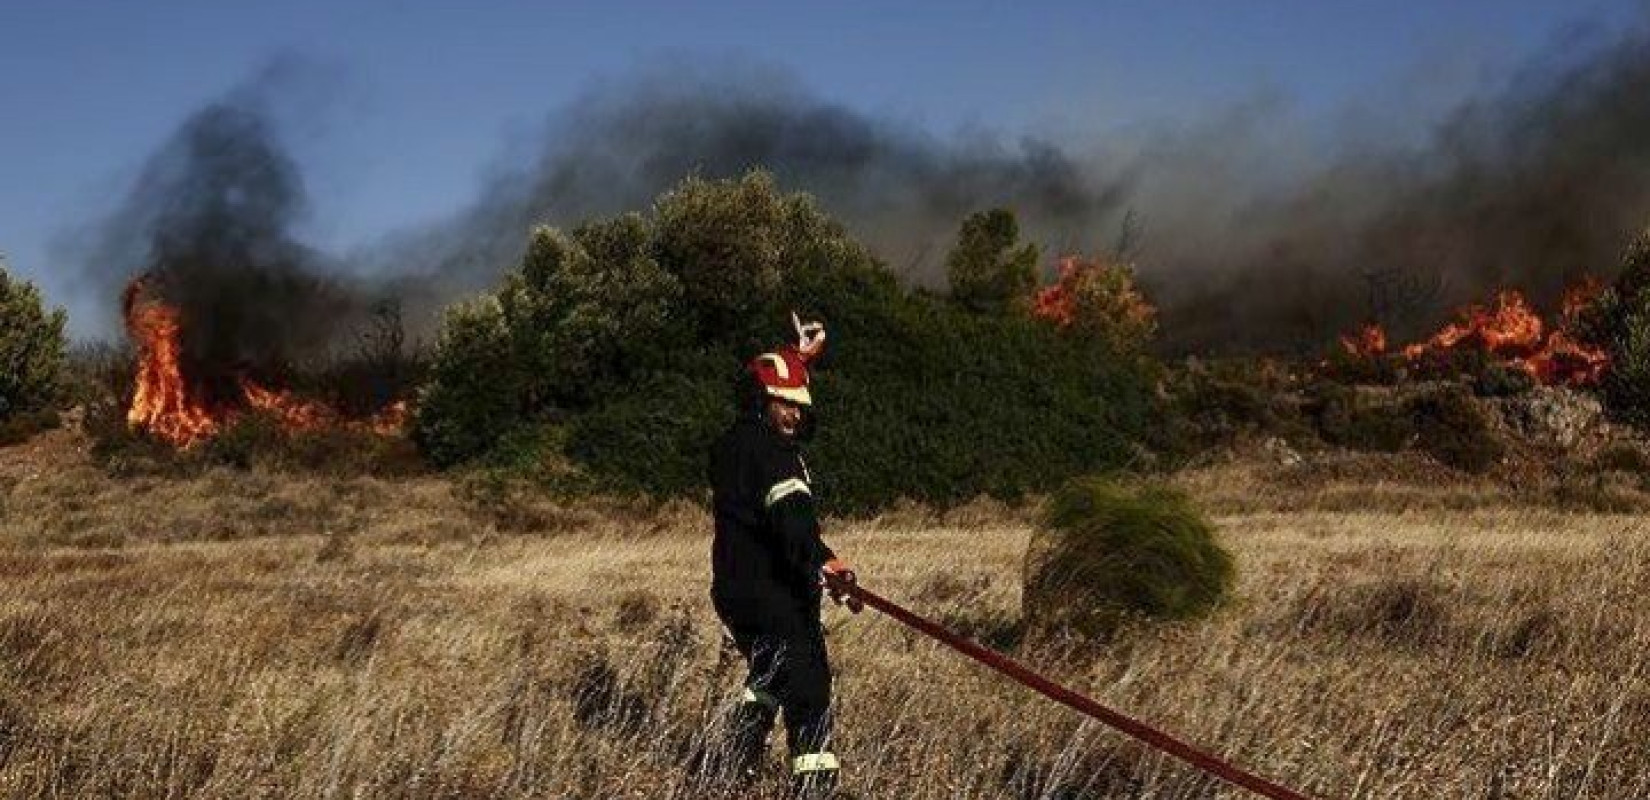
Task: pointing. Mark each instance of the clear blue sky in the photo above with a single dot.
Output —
(423, 97)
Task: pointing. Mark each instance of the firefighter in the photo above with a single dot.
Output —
(769, 567)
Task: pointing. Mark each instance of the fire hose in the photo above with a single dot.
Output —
(1208, 762)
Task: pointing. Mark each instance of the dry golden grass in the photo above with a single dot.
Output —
(246, 635)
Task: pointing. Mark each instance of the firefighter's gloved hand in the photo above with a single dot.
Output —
(810, 337)
(839, 580)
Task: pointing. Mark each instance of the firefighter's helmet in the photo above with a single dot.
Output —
(782, 374)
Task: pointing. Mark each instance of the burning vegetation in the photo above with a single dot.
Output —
(1511, 332)
(1097, 296)
(174, 406)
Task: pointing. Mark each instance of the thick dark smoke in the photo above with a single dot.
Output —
(900, 190)
(1532, 187)
(207, 226)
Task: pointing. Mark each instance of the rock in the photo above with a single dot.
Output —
(1552, 415)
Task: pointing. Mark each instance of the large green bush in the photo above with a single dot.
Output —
(31, 350)
(1619, 321)
(619, 342)
(1105, 553)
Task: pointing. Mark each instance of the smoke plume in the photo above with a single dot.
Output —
(1246, 244)
(207, 228)
(900, 190)
(1532, 187)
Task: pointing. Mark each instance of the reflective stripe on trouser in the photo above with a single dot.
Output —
(814, 762)
(788, 662)
(760, 697)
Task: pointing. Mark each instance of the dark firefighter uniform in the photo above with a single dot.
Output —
(767, 559)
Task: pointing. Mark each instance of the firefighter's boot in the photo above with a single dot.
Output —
(814, 776)
(752, 721)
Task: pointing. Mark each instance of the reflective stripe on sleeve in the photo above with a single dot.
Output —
(759, 696)
(786, 488)
(814, 762)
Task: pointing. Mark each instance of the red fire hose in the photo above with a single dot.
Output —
(1214, 765)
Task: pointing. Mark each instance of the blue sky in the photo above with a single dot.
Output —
(416, 101)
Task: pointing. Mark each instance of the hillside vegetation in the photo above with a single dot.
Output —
(613, 349)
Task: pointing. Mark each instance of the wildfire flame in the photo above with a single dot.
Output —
(1109, 286)
(1511, 331)
(167, 405)
(162, 401)
(1368, 341)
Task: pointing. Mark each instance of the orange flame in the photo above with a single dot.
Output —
(1368, 341)
(1511, 329)
(1512, 332)
(165, 404)
(1110, 284)
(391, 419)
(292, 412)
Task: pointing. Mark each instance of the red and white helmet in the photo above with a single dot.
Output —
(784, 372)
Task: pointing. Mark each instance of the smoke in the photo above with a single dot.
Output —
(1251, 235)
(208, 227)
(900, 190)
(1531, 186)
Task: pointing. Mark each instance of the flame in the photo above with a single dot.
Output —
(167, 405)
(292, 412)
(1512, 332)
(1511, 328)
(1110, 284)
(1368, 341)
(1055, 303)
(391, 419)
(163, 403)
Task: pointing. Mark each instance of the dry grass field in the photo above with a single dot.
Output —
(249, 635)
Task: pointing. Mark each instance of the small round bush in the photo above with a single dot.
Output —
(1105, 552)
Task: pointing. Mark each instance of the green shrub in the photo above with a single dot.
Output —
(1619, 321)
(586, 311)
(475, 394)
(616, 347)
(989, 270)
(1452, 428)
(1216, 403)
(728, 243)
(945, 405)
(1346, 419)
(31, 349)
(22, 426)
(1105, 553)
(1622, 457)
(656, 438)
